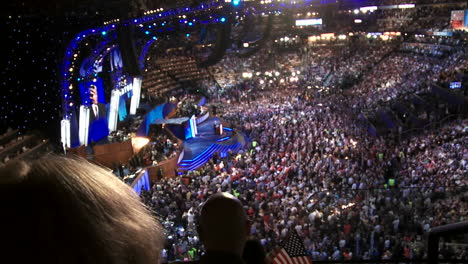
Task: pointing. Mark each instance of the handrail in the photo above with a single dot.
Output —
(457, 187)
(389, 261)
(202, 117)
(32, 150)
(355, 261)
(137, 178)
(436, 122)
(433, 123)
(8, 134)
(16, 144)
(437, 232)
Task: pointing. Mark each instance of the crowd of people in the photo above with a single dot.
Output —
(14, 146)
(320, 174)
(173, 72)
(309, 167)
(388, 69)
(12, 142)
(17, 141)
(160, 148)
(126, 129)
(313, 168)
(188, 107)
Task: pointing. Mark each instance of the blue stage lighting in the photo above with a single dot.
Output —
(236, 2)
(190, 24)
(147, 32)
(104, 33)
(155, 38)
(188, 35)
(223, 19)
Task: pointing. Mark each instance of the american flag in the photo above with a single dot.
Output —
(291, 252)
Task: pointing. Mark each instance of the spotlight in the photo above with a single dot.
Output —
(235, 2)
(223, 19)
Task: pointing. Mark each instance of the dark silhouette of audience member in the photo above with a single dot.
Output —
(62, 210)
(222, 229)
(253, 252)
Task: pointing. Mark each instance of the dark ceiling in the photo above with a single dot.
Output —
(108, 9)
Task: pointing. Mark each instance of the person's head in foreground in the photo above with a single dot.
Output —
(223, 225)
(61, 210)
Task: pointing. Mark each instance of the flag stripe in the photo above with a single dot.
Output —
(291, 252)
(299, 260)
(286, 257)
(282, 257)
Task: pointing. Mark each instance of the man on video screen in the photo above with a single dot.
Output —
(97, 117)
(98, 110)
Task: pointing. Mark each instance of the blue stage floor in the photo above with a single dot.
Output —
(199, 150)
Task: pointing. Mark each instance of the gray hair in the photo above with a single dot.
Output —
(62, 210)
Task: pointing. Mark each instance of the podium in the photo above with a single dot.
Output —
(218, 128)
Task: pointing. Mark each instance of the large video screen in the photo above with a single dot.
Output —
(92, 96)
(459, 19)
(105, 99)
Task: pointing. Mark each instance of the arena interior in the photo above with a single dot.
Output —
(343, 123)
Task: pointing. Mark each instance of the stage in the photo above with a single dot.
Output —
(200, 149)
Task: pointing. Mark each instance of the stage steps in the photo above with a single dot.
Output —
(205, 156)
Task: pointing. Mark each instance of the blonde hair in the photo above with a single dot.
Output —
(62, 210)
